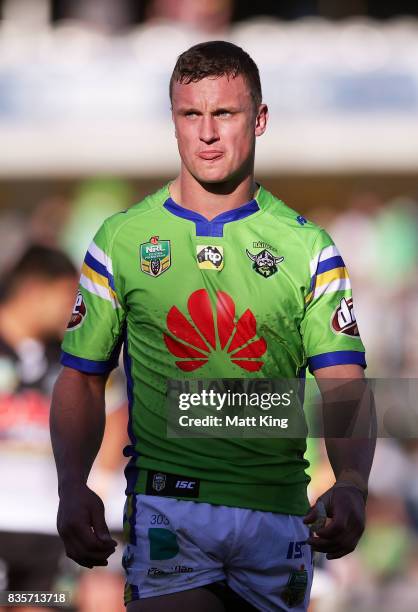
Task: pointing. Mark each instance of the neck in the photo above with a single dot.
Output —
(211, 199)
(14, 324)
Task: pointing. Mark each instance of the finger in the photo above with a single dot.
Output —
(90, 541)
(322, 545)
(339, 554)
(82, 544)
(100, 527)
(89, 563)
(317, 517)
(340, 546)
(84, 557)
(334, 529)
(79, 526)
(311, 516)
(93, 555)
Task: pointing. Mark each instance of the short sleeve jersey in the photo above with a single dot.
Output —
(257, 292)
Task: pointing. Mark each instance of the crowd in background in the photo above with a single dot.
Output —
(211, 15)
(378, 240)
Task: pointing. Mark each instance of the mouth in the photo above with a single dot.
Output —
(210, 155)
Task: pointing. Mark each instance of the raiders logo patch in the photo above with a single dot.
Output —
(343, 320)
(264, 263)
(79, 313)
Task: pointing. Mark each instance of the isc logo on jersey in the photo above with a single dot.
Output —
(79, 312)
(185, 484)
(210, 257)
(343, 320)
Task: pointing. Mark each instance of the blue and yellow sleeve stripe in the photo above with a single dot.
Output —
(97, 275)
(328, 274)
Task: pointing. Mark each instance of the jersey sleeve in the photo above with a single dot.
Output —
(329, 328)
(94, 334)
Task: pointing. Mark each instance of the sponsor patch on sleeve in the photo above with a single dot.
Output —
(343, 319)
(79, 312)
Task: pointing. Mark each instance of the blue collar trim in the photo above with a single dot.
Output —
(215, 227)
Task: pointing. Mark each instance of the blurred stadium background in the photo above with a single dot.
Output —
(85, 131)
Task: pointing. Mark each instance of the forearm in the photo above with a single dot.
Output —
(77, 424)
(349, 423)
(351, 459)
(350, 412)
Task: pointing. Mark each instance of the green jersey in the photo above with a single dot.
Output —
(257, 292)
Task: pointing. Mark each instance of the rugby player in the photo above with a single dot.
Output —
(210, 277)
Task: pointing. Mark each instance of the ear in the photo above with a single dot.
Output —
(261, 119)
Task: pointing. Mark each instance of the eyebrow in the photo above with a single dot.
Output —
(183, 110)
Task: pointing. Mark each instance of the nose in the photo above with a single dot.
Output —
(208, 131)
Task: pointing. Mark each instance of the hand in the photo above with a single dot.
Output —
(82, 527)
(345, 506)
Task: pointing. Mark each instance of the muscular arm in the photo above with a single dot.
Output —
(351, 460)
(77, 424)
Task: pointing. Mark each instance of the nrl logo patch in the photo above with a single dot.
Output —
(265, 263)
(343, 320)
(79, 312)
(158, 482)
(155, 256)
(210, 257)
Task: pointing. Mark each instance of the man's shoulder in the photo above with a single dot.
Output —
(144, 207)
(298, 227)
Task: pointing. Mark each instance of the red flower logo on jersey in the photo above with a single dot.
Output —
(194, 342)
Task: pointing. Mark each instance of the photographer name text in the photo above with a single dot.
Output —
(232, 421)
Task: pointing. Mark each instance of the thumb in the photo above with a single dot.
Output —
(311, 516)
(316, 516)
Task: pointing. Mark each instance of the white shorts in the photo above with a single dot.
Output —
(175, 545)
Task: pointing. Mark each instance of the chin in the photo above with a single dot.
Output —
(213, 181)
(212, 177)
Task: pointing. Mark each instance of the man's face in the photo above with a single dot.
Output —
(216, 125)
